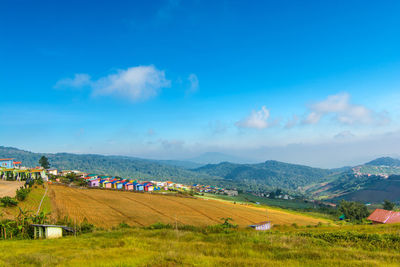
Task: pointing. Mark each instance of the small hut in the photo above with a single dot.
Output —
(49, 231)
(262, 226)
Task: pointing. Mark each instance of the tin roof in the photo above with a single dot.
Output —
(384, 216)
(59, 226)
(261, 223)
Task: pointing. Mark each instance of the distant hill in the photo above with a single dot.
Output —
(385, 161)
(372, 182)
(270, 173)
(217, 157)
(180, 163)
(376, 191)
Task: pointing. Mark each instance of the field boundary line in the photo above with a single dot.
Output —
(41, 201)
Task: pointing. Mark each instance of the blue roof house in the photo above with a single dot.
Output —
(138, 186)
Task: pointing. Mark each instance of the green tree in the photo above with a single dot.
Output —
(353, 211)
(387, 205)
(44, 162)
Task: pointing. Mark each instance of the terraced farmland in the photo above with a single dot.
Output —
(106, 208)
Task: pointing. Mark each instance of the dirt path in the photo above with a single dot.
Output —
(8, 188)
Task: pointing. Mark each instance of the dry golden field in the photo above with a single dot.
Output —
(8, 188)
(106, 208)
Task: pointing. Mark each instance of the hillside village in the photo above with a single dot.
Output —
(13, 170)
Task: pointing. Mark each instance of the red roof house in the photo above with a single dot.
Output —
(384, 216)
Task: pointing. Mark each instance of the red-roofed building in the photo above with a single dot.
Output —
(384, 216)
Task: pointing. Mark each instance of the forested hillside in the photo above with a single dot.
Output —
(270, 173)
(385, 161)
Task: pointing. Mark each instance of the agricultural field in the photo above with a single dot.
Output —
(107, 208)
(8, 188)
(371, 245)
(31, 203)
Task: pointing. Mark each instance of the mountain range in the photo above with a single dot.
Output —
(373, 181)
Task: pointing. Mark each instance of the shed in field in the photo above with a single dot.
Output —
(49, 231)
(380, 216)
(262, 226)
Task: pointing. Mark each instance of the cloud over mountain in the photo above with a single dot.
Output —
(342, 110)
(256, 120)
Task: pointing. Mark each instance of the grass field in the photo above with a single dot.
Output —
(106, 208)
(322, 246)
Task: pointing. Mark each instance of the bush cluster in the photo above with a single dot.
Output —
(8, 201)
(22, 193)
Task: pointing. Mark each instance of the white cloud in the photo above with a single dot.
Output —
(135, 83)
(194, 84)
(80, 80)
(341, 109)
(256, 120)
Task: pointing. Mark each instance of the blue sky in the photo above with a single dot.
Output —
(315, 83)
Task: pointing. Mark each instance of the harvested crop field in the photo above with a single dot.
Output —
(8, 188)
(106, 208)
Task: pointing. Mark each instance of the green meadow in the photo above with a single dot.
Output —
(366, 245)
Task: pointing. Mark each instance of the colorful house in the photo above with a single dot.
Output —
(94, 183)
(138, 186)
(128, 186)
(107, 184)
(114, 183)
(119, 185)
(148, 187)
(7, 163)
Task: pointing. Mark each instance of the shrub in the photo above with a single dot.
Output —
(8, 201)
(124, 225)
(39, 181)
(22, 193)
(227, 224)
(160, 225)
(86, 227)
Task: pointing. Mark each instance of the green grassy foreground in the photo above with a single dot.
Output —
(288, 246)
